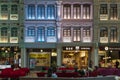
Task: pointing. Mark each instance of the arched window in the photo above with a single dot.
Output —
(104, 32)
(66, 11)
(40, 34)
(31, 12)
(76, 11)
(31, 31)
(76, 34)
(50, 31)
(40, 12)
(4, 31)
(14, 32)
(113, 34)
(4, 12)
(50, 12)
(86, 11)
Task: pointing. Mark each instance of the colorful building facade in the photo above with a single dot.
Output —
(56, 32)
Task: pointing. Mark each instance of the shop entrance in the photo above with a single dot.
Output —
(75, 58)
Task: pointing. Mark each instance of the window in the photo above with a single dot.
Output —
(31, 31)
(41, 12)
(31, 12)
(66, 32)
(113, 35)
(4, 12)
(14, 9)
(76, 34)
(67, 11)
(50, 12)
(14, 32)
(50, 31)
(86, 32)
(76, 11)
(113, 11)
(14, 12)
(103, 12)
(104, 32)
(103, 35)
(4, 32)
(103, 9)
(86, 11)
(40, 34)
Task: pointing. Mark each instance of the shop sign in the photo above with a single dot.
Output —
(13, 39)
(103, 39)
(104, 17)
(13, 16)
(39, 55)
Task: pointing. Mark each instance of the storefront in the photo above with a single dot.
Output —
(72, 56)
(9, 56)
(108, 55)
(41, 57)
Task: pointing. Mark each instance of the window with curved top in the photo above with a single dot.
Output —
(4, 31)
(76, 34)
(86, 32)
(50, 12)
(31, 12)
(31, 31)
(113, 35)
(103, 12)
(40, 34)
(50, 31)
(76, 11)
(66, 32)
(14, 9)
(113, 12)
(40, 12)
(4, 12)
(66, 11)
(86, 11)
(14, 32)
(4, 34)
(103, 32)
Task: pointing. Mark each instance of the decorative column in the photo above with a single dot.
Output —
(23, 57)
(108, 34)
(81, 11)
(58, 32)
(95, 56)
(91, 11)
(59, 10)
(81, 34)
(91, 37)
(59, 56)
(59, 17)
(72, 11)
(26, 17)
(45, 11)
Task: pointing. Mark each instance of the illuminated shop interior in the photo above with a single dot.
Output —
(73, 56)
(9, 55)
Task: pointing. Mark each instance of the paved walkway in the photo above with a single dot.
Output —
(33, 74)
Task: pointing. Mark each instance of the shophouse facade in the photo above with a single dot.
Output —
(58, 32)
(11, 29)
(106, 31)
(49, 32)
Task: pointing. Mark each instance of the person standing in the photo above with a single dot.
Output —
(116, 64)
